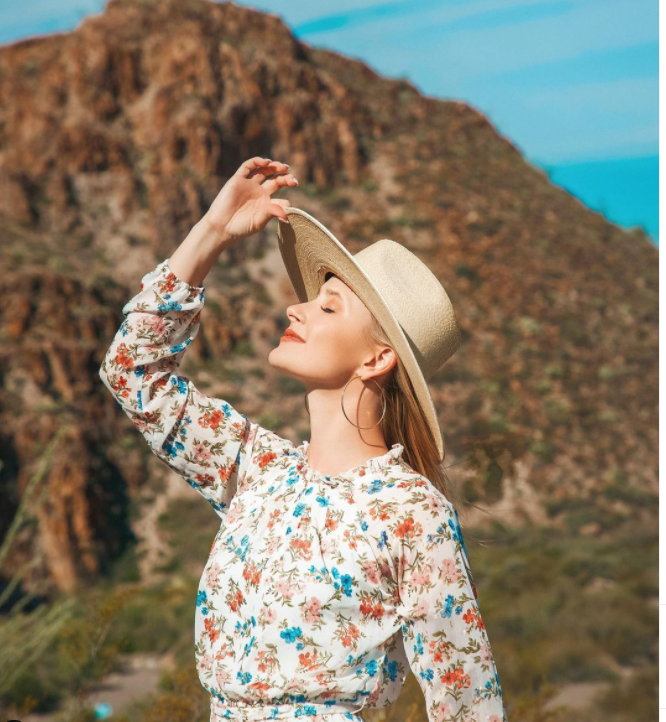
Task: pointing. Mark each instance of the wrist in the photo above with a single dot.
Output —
(213, 235)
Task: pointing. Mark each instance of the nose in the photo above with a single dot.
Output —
(293, 311)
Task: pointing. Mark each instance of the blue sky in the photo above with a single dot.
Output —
(573, 83)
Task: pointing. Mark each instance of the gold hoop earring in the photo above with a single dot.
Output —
(342, 400)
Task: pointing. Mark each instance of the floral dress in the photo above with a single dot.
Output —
(320, 592)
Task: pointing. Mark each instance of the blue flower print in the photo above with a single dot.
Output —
(290, 635)
(180, 382)
(390, 670)
(169, 307)
(446, 609)
(371, 667)
(180, 346)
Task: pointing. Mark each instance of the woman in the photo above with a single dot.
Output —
(339, 565)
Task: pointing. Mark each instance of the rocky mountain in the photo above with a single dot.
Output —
(115, 138)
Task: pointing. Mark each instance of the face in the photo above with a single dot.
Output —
(335, 328)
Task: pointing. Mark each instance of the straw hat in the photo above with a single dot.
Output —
(396, 287)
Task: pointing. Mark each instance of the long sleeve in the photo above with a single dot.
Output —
(205, 440)
(444, 636)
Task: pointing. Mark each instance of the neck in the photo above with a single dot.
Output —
(335, 444)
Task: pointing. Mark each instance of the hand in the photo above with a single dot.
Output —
(244, 205)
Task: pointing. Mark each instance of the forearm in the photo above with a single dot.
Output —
(193, 259)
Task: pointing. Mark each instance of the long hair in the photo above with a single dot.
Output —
(404, 423)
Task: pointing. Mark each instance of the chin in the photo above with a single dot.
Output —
(281, 363)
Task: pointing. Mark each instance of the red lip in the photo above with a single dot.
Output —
(292, 334)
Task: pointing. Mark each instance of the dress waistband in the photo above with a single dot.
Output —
(312, 711)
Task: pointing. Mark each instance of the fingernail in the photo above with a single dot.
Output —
(282, 219)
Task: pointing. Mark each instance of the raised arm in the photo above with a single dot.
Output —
(204, 439)
(444, 636)
(201, 438)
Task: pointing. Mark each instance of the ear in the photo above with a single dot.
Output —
(381, 363)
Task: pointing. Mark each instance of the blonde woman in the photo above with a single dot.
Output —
(340, 563)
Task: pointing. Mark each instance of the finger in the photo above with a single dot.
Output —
(273, 169)
(273, 184)
(283, 202)
(277, 207)
(251, 164)
(259, 167)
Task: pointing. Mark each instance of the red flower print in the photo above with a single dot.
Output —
(120, 387)
(303, 546)
(440, 651)
(274, 518)
(366, 605)
(252, 574)
(351, 541)
(350, 636)
(308, 660)
(204, 480)
(212, 632)
(211, 420)
(168, 284)
(330, 523)
(123, 357)
(458, 679)
(235, 600)
(266, 458)
(408, 529)
(472, 616)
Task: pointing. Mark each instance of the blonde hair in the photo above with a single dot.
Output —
(403, 423)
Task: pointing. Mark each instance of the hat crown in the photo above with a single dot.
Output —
(416, 298)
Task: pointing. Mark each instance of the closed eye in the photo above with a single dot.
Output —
(330, 310)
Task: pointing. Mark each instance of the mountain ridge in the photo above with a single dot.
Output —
(115, 138)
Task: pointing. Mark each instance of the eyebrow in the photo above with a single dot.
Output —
(333, 293)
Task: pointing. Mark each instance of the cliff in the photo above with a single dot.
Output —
(115, 138)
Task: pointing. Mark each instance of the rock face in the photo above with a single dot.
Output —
(51, 329)
(164, 99)
(115, 138)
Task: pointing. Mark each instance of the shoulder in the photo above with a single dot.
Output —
(270, 451)
(405, 508)
(401, 486)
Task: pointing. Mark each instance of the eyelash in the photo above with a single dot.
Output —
(330, 310)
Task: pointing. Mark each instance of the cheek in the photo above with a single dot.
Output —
(336, 347)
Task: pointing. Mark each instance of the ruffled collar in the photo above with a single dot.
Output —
(376, 463)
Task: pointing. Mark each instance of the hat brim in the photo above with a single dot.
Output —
(309, 250)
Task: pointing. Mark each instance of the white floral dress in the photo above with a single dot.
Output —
(320, 592)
